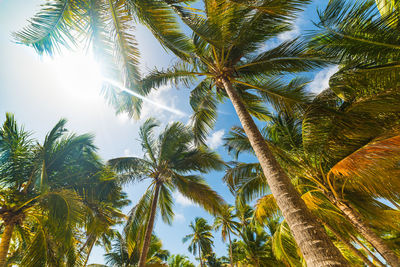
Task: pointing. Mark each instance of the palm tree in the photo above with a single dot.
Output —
(108, 29)
(167, 162)
(367, 46)
(47, 193)
(325, 164)
(31, 196)
(226, 44)
(201, 238)
(228, 225)
(179, 260)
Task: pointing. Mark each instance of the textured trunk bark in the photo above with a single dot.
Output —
(5, 242)
(201, 259)
(315, 245)
(356, 220)
(350, 246)
(149, 228)
(230, 248)
(376, 261)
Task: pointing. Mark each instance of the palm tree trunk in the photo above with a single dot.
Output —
(374, 258)
(356, 220)
(89, 251)
(5, 242)
(230, 248)
(201, 259)
(149, 228)
(315, 245)
(350, 246)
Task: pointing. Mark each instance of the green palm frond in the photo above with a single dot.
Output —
(204, 105)
(130, 168)
(266, 207)
(194, 188)
(51, 28)
(237, 142)
(284, 246)
(178, 73)
(160, 19)
(135, 225)
(365, 81)
(148, 142)
(356, 33)
(283, 97)
(289, 56)
(165, 204)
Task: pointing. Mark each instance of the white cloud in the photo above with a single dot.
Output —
(182, 200)
(215, 140)
(289, 35)
(321, 80)
(179, 217)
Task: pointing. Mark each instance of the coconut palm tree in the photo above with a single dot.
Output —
(167, 163)
(228, 226)
(227, 58)
(31, 197)
(46, 194)
(201, 238)
(108, 28)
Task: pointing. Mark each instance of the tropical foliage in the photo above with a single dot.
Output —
(322, 188)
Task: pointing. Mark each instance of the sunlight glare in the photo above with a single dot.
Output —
(79, 75)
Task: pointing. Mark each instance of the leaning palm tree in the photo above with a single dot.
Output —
(201, 238)
(167, 163)
(225, 221)
(339, 157)
(226, 43)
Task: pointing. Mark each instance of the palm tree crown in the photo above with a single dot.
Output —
(201, 238)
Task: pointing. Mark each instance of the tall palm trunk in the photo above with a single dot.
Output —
(350, 246)
(315, 245)
(149, 228)
(230, 248)
(5, 242)
(201, 259)
(356, 220)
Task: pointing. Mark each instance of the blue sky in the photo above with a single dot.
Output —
(41, 90)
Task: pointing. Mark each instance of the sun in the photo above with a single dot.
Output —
(78, 74)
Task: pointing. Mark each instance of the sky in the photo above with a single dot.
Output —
(42, 90)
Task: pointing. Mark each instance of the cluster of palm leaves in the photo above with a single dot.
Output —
(325, 184)
(57, 198)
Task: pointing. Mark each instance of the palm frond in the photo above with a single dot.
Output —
(165, 204)
(204, 105)
(51, 28)
(160, 19)
(194, 188)
(130, 168)
(355, 32)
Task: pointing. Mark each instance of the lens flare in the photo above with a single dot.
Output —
(145, 99)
